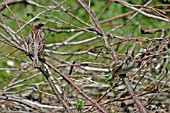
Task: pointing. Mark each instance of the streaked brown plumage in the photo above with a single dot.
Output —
(36, 42)
(122, 66)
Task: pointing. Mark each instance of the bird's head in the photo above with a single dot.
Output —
(37, 26)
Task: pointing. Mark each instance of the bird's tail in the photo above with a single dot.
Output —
(36, 61)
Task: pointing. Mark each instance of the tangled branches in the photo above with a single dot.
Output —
(104, 60)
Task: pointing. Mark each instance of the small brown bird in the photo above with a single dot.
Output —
(120, 67)
(36, 42)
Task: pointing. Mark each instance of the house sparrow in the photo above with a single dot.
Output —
(36, 42)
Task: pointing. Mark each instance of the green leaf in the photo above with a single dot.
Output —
(79, 104)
